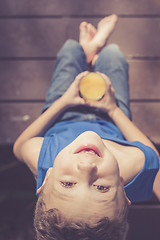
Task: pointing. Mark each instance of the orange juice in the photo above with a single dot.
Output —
(92, 86)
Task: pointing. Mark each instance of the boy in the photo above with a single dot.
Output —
(89, 159)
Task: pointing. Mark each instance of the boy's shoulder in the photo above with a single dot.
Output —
(30, 153)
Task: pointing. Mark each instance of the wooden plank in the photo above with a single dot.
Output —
(25, 80)
(144, 222)
(29, 80)
(146, 116)
(144, 79)
(79, 8)
(15, 117)
(44, 37)
(31, 37)
(22, 178)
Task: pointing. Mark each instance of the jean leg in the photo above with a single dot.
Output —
(71, 60)
(112, 63)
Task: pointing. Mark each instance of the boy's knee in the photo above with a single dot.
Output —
(70, 43)
(70, 48)
(114, 48)
(113, 52)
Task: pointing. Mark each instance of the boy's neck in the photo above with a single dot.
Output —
(130, 159)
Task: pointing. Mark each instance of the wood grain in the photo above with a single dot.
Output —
(146, 116)
(42, 38)
(79, 8)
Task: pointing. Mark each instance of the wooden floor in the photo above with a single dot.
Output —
(32, 32)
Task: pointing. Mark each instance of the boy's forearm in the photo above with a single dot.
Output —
(156, 186)
(42, 123)
(128, 129)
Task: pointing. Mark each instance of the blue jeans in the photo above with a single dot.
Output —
(71, 60)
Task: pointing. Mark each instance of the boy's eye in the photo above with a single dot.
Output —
(68, 184)
(102, 188)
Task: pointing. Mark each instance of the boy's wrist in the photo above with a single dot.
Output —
(112, 112)
(64, 103)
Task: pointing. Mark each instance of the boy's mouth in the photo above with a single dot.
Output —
(90, 149)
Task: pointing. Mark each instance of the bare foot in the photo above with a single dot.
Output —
(93, 41)
(105, 27)
(87, 33)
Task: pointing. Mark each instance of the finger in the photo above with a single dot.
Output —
(111, 90)
(82, 74)
(77, 80)
(80, 100)
(108, 81)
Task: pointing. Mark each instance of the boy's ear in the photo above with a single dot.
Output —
(45, 180)
(122, 181)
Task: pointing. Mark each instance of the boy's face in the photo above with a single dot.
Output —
(84, 182)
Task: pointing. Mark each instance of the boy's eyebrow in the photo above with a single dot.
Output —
(66, 196)
(61, 194)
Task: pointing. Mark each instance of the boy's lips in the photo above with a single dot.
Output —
(91, 149)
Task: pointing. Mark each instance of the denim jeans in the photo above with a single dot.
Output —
(71, 60)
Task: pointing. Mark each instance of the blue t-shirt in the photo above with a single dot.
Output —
(63, 133)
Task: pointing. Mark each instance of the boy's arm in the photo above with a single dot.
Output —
(44, 121)
(38, 127)
(156, 185)
(27, 146)
(128, 129)
(30, 150)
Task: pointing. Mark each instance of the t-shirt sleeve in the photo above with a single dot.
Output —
(141, 187)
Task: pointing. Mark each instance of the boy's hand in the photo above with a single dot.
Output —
(71, 97)
(108, 102)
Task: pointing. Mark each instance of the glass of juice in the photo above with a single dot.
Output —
(92, 87)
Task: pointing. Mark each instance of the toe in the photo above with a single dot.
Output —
(91, 30)
(82, 25)
(112, 18)
(89, 27)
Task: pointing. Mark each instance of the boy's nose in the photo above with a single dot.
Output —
(87, 166)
